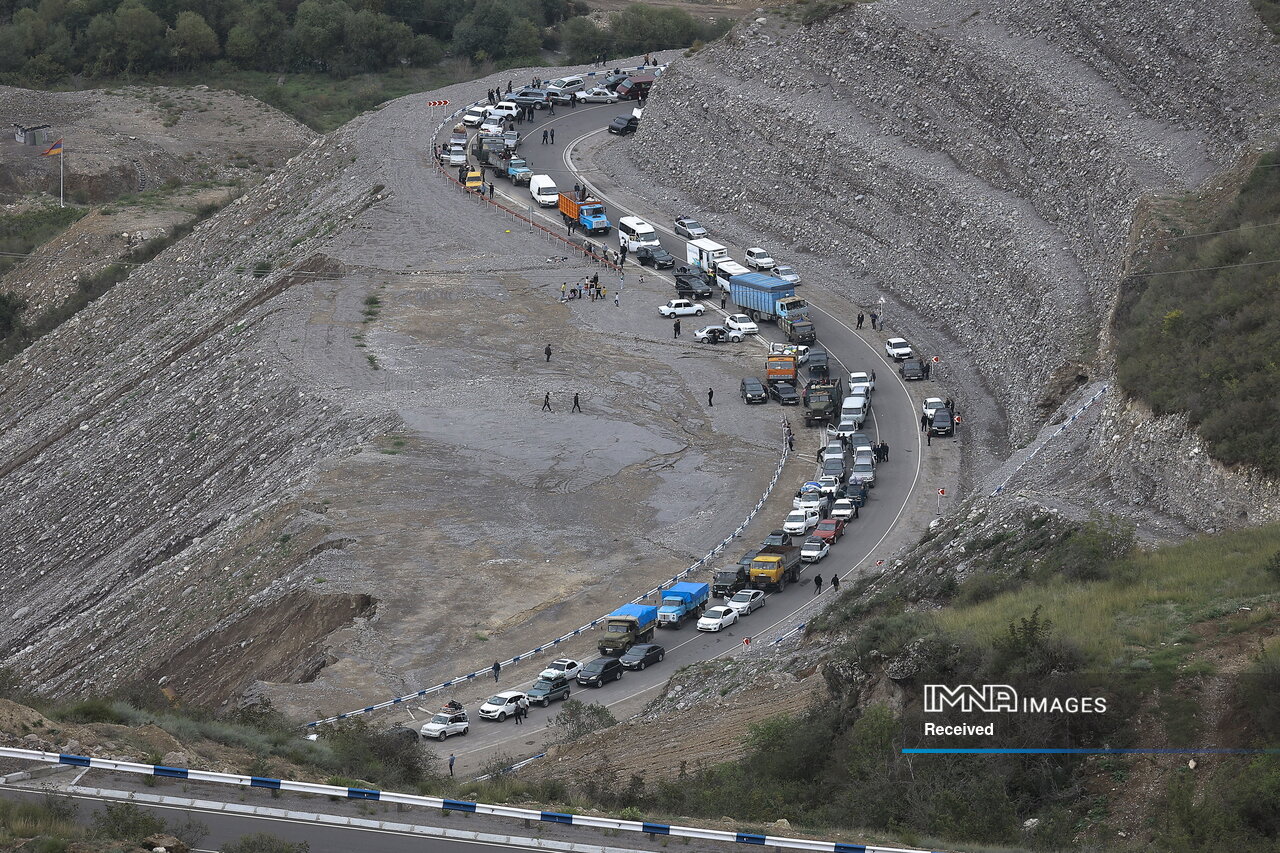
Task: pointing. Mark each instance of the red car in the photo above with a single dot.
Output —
(830, 529)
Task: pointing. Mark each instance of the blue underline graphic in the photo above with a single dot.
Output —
(1090, 751)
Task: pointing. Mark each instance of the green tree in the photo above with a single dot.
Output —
(98, 49)
(373, 42)
(524, 38)
(11, 308)
(254, 39)
(141, 35)
(192, 40)
(318, 30)
(583, 39)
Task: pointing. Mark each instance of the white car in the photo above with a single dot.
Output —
(931, 405)
(758, 259)
(862, 383)
(475, 115)
(681, 308)
(832, 450)
(596, 96)
(741, 323)
(717, 619)
(830, 485)
(501, 705)
(715, 334)
(897, 349)
(506, 109)
(844, 509)
(746, 600)
(494, 124)
(815, 501)
(864, 472)
(844, 429)
(787, 274)
(457, 156)
(814, 549)
(561, 667)
(446, 723)
(800, 521)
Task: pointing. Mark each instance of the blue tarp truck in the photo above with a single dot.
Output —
(626, 626)
(763, 297)
(681, 601)
(587, 212)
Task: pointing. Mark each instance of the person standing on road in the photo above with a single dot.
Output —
(724, 300)
(835, 584)
(544, 136)
(676, 328)
(576, 406)
(547, 352)
(452, 758)
(523, 704)
(817, 584)
(924, 423)
(711, 395)
(491, 191)
(875, 319)
(497, 667)
(860, 318)
(791, 442)
(519, 713)
(553, 136)
(884, 450)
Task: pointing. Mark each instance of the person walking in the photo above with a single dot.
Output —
(551, 108)
(817, 584)
(724, 300)
(884, 449)
(547, 352)
(835, 584)
(508, 87)
(711, 395)
(497, 667)
(576, 406)
(791, 442)
(544, 136)
(860, 318)
(546, 407)
(675, 327)
(452, 758)
(563, 288)
(616, 302)
(491, 191)
(924, 423)
(553, 136)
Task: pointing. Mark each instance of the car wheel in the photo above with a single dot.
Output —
(566, 694)
(465, 732)
(442, 736)
(662, 655)
(502, 716)
(545, 702)
(698, 313)
(640, 665)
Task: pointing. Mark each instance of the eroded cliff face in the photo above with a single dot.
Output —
(979, 163)
(975, 164)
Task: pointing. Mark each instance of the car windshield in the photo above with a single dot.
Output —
(593, 667)
(543, 684)
(497, 700)
(557, 665)
(692, 225)
(440, 719)
(862, 467)
(717, 612)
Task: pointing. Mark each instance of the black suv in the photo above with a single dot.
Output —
(753, 391)
(638, 657)
(943, 423)
(599, 672)
(692, 282)
(654, 256)
(622, 125)
(784, 393)
(913, 368)
(547, 689)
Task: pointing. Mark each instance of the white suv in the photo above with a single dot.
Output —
(758, 259)
(897, 349)
(446, 723)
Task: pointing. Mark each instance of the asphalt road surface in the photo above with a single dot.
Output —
(894, 418)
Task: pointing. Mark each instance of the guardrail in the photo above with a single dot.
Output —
(444, 804)
(552, 644)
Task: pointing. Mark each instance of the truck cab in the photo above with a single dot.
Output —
(728, 581)
(518, 171)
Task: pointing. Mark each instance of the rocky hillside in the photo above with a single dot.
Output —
(976, 164)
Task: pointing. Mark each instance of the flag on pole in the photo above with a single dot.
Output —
(55, 148)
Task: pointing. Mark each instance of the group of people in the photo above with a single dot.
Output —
(817, 584)
(875, 320)
(588, 288)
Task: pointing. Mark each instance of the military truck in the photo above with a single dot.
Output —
(822, 401)
(626, 626)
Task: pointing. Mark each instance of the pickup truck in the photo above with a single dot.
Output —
(518, 171)
(681, 601)
(588, 213)
(726, 582)
(775, 566)
(626, 626)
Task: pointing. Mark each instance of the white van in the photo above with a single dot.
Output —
(634, 232)
(853, 409)
(544, 190)
(726, 270)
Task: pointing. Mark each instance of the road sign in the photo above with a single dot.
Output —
(937, 360)
(957, 419)
(437, 103)
(942, 492)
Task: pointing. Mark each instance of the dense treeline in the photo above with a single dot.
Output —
(45, 40)
(1202, 334)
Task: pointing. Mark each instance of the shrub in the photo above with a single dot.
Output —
(262, 842)
(578, 719)
(126, 822)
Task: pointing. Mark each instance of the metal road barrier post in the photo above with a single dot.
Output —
(552, 644)
(444, 804)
